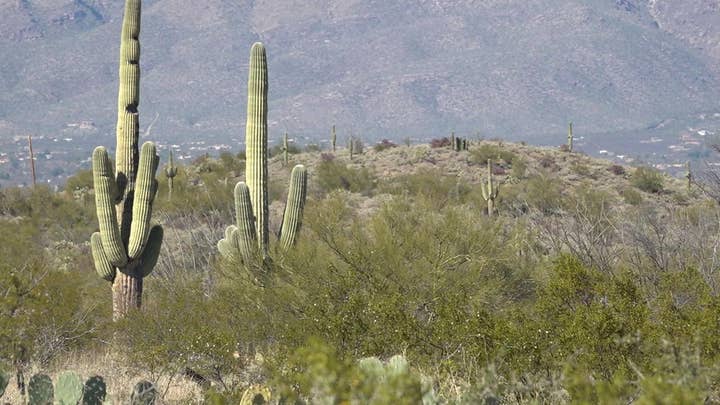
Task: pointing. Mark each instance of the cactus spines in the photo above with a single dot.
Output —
(285, 149)
(170, 172)
(68, 389)
(333, 138)
(127, 241)
(292, 217)
(491, 191)
(94, 391)
(144, 393)
(256, 395)
(250, 235)
(256, 174)
(40, 390)
(570, 137)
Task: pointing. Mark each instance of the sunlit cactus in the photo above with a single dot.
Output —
(490, 192)
(570, 137)
(250, 233)
(170, 172)
(127, 246)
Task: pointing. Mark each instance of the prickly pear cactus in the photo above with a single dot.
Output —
(95, 391)
(256, 395)
(40, 390)
(144, 393)
(68, 389)
(4, 381)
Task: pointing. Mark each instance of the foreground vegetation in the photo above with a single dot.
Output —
(569, 293)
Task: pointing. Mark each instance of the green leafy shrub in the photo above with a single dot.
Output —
(334, 175)
(648, 179)
(485, 151)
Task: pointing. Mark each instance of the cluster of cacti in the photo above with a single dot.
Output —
(70, 390)
(127, 246)
(457, 143)
(490, 192)
(395, 376)
(333, 138)
(570, 137)
(250, 234)
(170, 172)
(355, 146)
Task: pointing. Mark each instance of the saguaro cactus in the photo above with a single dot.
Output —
(127, 247)
(170, 172)
(250, 233)
(32, 161)
(333, 138)
(570, 137)
(490, 192)
(285, 149)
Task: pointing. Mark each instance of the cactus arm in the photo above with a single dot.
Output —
(244, 220)
(146, 187)
(105, 195)
(228, 246)
(256, 143)
(292, 217)
(103, 267)
(151, 253)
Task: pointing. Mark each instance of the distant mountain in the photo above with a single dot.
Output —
(379, 68)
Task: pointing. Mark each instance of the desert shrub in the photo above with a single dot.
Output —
(44, 311)
(581, 170)
(485, 151)
(82, 179)
(440, 142)
(312, 147)
(631, 196)
(432, 186)
(518, 168)
(648, 180)
(616, 170)
(543, 193)
(384, 145)
(333, 175)
(278, 150)
(548, 162)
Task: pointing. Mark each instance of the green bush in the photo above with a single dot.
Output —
(333, 175)
(648, 179)
(485, 151)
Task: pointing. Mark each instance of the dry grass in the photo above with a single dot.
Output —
(119, 377)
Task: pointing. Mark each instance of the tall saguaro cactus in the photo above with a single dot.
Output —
(127, 247)
(250, 234)
(570, 137)
(490, 192)
(170, 172)
(333, 138)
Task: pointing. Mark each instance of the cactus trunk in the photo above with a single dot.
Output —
(570, 137)
(32, 161)
(256, 173)
(127, 246)
(333, 138)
